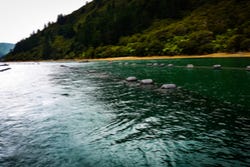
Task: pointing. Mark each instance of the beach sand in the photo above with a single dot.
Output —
(214, 55)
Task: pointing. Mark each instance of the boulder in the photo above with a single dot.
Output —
(170, 65)
(146, 82)
(131, 79)
(248, 68)
(155, 64)
(217, 66)
(168, 86)
(190, 66)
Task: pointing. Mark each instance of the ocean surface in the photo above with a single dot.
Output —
(86, 115)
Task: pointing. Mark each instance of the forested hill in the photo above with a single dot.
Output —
(111, 28)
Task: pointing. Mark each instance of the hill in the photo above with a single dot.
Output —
(109, 28)
(5, 48)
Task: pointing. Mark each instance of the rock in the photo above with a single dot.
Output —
(126, 63)
(190, 66)
(155, 64)
(84, 61)
(2, 70)
(217, 66)
(162, 64)
(91, 71)
(168, 86)
(248, 68)
(146, 82)
(149, 64)
(131, 79)
(4, 64)
(63, 66)
(65, 94)
(170, 65)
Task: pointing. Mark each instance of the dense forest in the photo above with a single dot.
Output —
(112, 28)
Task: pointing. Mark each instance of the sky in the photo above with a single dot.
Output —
(19, 18)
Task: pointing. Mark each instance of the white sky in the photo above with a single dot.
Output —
(19, 18)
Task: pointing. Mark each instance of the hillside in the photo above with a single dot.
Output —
(5, 48)
(109, 28)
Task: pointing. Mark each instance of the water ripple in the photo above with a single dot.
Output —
(84, 115)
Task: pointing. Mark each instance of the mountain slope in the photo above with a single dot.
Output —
(108, 28)
(5, 48)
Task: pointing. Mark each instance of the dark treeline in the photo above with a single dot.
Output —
(111, 28)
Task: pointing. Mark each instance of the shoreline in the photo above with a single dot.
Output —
(213, 55)
(128, 58)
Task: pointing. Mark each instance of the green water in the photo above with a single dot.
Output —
(229, 85)
(86, 115)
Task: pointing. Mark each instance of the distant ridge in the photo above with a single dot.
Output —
(111, 28)
(5, 48)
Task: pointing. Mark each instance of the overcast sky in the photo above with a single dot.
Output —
(19, 18)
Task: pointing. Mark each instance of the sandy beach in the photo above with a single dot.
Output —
(214, 55)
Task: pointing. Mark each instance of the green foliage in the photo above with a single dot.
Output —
(110, 28)
(245, 44)
(173, 46)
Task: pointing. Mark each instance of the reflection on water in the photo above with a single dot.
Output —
(85, 115)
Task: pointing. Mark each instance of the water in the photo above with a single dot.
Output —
(85, 115)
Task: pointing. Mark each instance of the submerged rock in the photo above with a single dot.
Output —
(65, 94)
(91, 71)
(155, 64)
(63, 66)
(190, 66)
(2, 70)
(217, 66)
(146, 82)
(131, 79)
(168, 86)
(4, 64)
(84, 61)
(162, 64)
